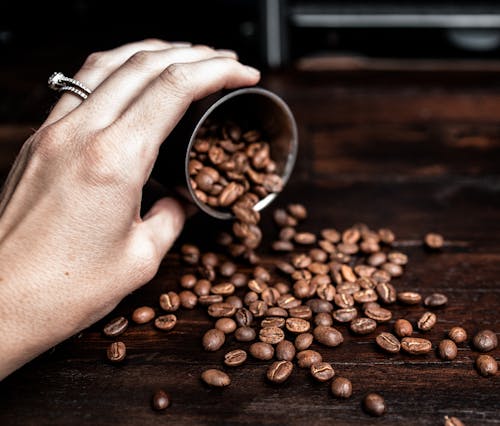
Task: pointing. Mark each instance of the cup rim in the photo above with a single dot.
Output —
(290, 161)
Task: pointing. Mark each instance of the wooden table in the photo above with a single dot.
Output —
(414, 151)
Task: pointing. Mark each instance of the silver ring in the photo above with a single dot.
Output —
(60, 83)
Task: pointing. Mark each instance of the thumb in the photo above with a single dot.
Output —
(163, 223)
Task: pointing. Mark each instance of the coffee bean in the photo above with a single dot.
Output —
(388, 342)
(271, 335)
(279, 371)
(214, 377)
(345, 315)
(447, 349)
(143, 315)
(344, 300)
(273, 322)
(386, 236)
(322, 371)
(485, 340)
(261, 350)
(224, 289)
(213, 340)
(243, 317)
(435, 300)
(374, 404)
(116, 351)
(434, 241)
(170, 301)
(328, 336)
(409, 297)
(403, 328)
(397, 258)
(323, 318)
(298, 211)
(341, 387)
(165, 322)
(392, 269)
(452, 421)
(239, 279)
(276, 311)
(245, 334)
(297, 325)
(190, 254)
(221, 309)
(303, 341)
(210, 299)
(378, 314)
(386, 292)
(308, 357)
(258, 308)
(363, 325)
(115, 327)
(287, 301)
(416, 345)
(305, 238)
(427, 321)
(188, 281)
(458, 334)
(377, 259)
(235, 358)
(319, 305)
(202, 287)
(235, 301)
(226, 325)
(160, 400)
(188, 299)
(284, 246)
(486, 365)
(365, 296)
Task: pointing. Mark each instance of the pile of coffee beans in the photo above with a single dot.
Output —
(304, 295)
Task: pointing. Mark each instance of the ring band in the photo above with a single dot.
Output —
(60, 83)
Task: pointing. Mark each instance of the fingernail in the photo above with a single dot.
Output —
(252, 70)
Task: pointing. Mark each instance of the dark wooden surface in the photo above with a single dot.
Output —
(416, 152)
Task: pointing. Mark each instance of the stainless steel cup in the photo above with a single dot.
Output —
(250, 107)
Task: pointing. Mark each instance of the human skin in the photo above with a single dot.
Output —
(72, 239)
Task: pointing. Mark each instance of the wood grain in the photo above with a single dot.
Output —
(417, 155)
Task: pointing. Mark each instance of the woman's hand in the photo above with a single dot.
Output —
(72, 242)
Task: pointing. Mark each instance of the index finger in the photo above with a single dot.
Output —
(152, 115)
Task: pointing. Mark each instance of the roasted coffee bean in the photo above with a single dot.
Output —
(388, 342)
(213, 340)
(374, 404)
(398, 258)
(250, 297)
(227, 268)
(318, 305)
(435, 300)
(188, 299)
(221, 309)
(188, 281)
(318, 268)
(282, 218)
(303, 289)
(416, 345)
(434, 241)
(392, 269)
(287, 233)
(486, 365)
(343, 300)
(363, 325)
(386, 292)
(226, 325)
(143, 315)
(224, 289)
(214, 377)
(235, 301)
(165, 322)
(328, 336)
(115, 327)
(284, 267)
(298, 211)
(348, 273)
(271, 335)
(351, 236)
(365, 272)
(386, 236)
(244, 334)
(243, 317)
(348, 289)
(318, 255)
(279, 371)
(485, 340)
(202, 287)
(366, 295)
(341, 387)
(305, 238)
(301, 261)
(345, 314)
(160, 400)
(302, 274)
(322, 371)
(325, 291)
(308, 357)
(287, 301)
(370, 305)
(452, 421)
(190, 254)
(239, 279)
(116, 351)
(258, 308)
(285, 350)
(235, 358)
(378, 314)
(297, 325)
(331, 235)
(276, 311)
(323, 318)
(377, 259)
(447, 349)
(273, 322)
(409, 297)
(403, 328)
(458, 334)
(257, 285)
(281, 245)
(348, 249)
(303, 341)
(210, 299)
(427, 321)
(170, 301)
(261, 350)
(270, 296)
(380, 276)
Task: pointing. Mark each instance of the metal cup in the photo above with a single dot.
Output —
(250, 107)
